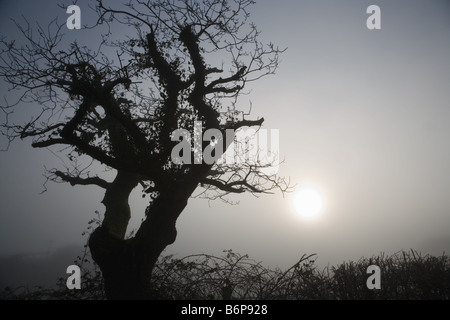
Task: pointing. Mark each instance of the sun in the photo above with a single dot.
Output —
(308, 202)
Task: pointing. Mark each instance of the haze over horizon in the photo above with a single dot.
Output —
(363, 115)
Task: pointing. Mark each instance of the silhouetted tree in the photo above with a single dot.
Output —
(116, 107)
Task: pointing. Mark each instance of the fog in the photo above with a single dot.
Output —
(362, 114)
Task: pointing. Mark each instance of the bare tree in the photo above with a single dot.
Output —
(118, 105)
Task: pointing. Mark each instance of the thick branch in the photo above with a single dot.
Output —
(169, 76)
(245, 123)
(25, 133)
(236, 77)
(111, 106)
(190, 41)
(109, 85)
(197, 96)
(74, 180)
(231, 187)
(68, 133)
(49, 142)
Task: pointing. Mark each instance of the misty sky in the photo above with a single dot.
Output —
(364, 115)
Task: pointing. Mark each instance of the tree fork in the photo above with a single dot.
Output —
(127, 265)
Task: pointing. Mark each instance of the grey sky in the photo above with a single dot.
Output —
(363, 115)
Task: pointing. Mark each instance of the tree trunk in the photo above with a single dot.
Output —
(127, 265)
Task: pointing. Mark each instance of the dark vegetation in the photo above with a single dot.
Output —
(406, 275)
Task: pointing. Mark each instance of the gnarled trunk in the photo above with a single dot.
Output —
(127, 265)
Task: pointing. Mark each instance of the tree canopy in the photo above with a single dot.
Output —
(117, 106)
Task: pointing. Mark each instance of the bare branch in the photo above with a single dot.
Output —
(121, 108)
(246, 123)
(223, 186)
(48, 143)
(76, 180)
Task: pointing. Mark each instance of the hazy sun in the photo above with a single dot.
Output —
(308, 202)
